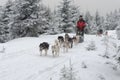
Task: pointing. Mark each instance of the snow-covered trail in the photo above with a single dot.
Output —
(22, 61)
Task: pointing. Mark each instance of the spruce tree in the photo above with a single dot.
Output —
(68, 73)
(89, 21)
(45, 19)
(67, 16)
(112, 20)
(26, 18)
(5, 20)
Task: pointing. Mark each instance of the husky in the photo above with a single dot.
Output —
(69, 40)
(99, 32)
(44, 46)
(66, 37)
(68, 43)
(76, 39)
(56, 48)
(61, 40)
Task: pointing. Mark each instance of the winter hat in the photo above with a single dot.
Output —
(81, 16)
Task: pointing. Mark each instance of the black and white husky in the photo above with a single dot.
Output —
(69, 40)
(44, 46)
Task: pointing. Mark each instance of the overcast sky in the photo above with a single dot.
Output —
(2, 2)
(103, 6)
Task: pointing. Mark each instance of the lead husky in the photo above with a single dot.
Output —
(44, 46)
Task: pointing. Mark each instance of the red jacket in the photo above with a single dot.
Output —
(81, 24)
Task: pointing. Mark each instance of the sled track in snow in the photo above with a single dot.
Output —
(51, 70)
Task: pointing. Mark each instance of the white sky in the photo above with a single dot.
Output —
(103, 6)
(2, 2)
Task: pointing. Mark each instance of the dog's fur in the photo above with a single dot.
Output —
(61, 40)
(106, 33)
(76, 39)
(44, 46)
(65, 46)
(68, 43)
(55, 48)
(69, 40)
(99, 32)
(66, 37)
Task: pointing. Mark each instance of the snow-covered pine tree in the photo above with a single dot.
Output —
(64, 73)
(64, 15)
(102, 21)
(118, 32)
(109, 22)
(118, 54)
(5, 20)
(97, 23)
(1, 26)
(88, 19)
(72, 73)
(84, 65)
(68, 73)
(97, 19)
(2, 31)
(116, 18)
(26, 18)
(112, 20)
(54, 25)
(93, 27)
(67, 16)
(75, 13)
(117, 57)
(91, 46)
(48, 21)
(45, 19)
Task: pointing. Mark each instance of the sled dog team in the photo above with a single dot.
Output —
(63, 43)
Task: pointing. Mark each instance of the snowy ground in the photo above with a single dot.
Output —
(21, 59)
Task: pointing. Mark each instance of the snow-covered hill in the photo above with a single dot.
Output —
(21, 59)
